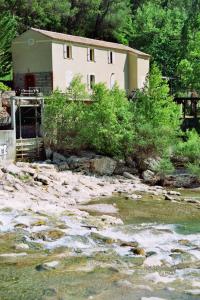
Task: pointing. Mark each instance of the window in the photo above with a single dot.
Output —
(91, 81)
(67, 51)
(90, 54)
(110, 57)
(112, 80)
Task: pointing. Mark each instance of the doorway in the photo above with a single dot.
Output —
(29, 81)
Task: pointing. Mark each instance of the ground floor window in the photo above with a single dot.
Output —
(91, 81)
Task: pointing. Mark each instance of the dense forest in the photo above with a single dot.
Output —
(169, 30)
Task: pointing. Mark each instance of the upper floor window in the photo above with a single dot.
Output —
(110, 57)
(90, 54)
(67, 51)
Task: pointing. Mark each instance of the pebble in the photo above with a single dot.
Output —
(48, 265)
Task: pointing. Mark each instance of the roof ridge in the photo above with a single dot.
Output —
(88, 41)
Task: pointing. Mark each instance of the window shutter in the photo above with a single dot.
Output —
(113, 57)
(109, 57)
(88, 54)
(64, 51)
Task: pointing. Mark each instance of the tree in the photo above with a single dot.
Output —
(156, 118)
(7, 33)
(156, 30)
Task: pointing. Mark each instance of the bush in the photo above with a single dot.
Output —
(190, 148)
(156, 117)
(62, 117)
(165, 167)
(108, 122)
(194, 168)
(4, 87)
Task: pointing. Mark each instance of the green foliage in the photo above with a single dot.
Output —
(156, 117)
(189, 148)
(105, 125)
(156, 30)
(165, 167)
(189, 67)
(108, 122)
(7, 33)
(194, 168)
(63, 115)
(4, 87)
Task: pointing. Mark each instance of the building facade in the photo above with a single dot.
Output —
(49, 60)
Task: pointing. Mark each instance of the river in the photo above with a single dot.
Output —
(101, 263)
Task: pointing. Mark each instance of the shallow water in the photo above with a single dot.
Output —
(93, 264)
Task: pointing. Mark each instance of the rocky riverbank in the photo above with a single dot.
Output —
(42, 187)
(71, 227)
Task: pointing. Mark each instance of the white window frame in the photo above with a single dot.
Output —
(65, 51)
(88, 54)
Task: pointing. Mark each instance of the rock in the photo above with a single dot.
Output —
(21, 246)
(184, 242)
(29, 171)
(13, 255)
(48, 266)
(57, 158)
(79, 163)
(177, 251)
(62, 166)
(138, 251)
(12, 169)
(150, 253)
(48, 152)
(173, 193)
(109, 220)
(8, 188)
(103, 165)
(149, 177)
(122, 167)
(124, 284)
(39, 223)
(129, 244)
(43, 179)
(150, 163)
(169, 198)
(47, 235)
(128, 175)
(21, 225)
(181, 180)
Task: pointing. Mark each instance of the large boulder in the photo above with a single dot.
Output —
(181, 180)
(149, 177)
(103, 165)
(79, 163)
(57, 158)
(124, 167)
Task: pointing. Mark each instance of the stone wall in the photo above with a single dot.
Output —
(43, 80)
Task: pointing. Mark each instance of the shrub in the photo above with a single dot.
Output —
(62, 117)
(194, 168)
(156, 117)
(165, 167)
(108, 122)
(4, 87)
(189, 148)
